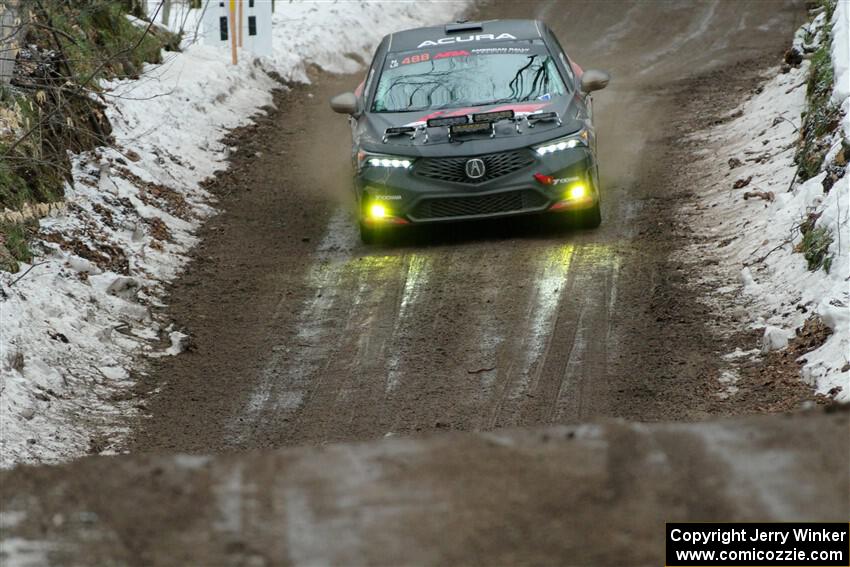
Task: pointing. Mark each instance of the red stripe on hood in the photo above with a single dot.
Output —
(524, 107)
(446, 113)
(527, 107)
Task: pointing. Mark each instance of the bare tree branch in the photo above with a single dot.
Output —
(84, 84)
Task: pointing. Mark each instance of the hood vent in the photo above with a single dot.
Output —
(464, 26)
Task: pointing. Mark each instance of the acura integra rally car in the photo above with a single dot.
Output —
(473, 120)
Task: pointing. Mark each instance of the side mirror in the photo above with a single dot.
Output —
(594, 80)
(345, 103)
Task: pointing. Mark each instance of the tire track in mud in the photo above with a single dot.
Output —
(437, 312)
(584, 384)
(405, 341)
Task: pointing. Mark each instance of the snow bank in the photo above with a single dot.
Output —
(754, 229)
(73, 326)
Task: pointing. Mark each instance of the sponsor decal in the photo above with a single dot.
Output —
(387, 197)
(456, 53)
(463, 39)
(549, 180)
(500, 50)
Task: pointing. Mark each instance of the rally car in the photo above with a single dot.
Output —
(473, 120)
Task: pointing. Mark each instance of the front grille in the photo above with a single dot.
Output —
(454, 169)
(506, 202)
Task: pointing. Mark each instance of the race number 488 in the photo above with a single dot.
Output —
(416, 58)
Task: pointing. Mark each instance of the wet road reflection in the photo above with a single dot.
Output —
(511, 330)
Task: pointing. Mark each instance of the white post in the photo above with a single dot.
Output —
(11, 31)
(166, 12)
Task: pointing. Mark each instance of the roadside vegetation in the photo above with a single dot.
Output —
(820, 126)
(51, 103)
(814, 246)
(13, 238)
(821, 118)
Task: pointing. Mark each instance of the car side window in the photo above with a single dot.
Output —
(367, 84)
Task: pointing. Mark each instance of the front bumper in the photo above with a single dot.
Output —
(436, 190)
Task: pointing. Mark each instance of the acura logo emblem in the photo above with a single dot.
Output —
(475, 168)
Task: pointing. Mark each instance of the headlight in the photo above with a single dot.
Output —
(365, 159)
(574, 140)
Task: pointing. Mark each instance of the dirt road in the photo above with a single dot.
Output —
(302, 335)
(568, 495)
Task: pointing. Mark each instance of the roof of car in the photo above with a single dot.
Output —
(408, 40)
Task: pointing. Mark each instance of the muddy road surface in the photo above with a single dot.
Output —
(300, 334)
(563, 495)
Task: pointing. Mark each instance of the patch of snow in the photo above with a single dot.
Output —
(755, 235)
(729, 379)
(738, 354)
(179, 343)
(73, 326)
(809, 37)
(775, 338)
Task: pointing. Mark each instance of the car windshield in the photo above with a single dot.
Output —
(431, 80)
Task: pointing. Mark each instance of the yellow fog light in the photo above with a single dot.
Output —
(577, 191)
(377, 211)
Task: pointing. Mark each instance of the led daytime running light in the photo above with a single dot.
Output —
(389, 162)
(573, 141)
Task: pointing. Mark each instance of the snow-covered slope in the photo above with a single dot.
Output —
(755, 230)
(72, 328)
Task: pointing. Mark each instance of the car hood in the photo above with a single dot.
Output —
(374, 124)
